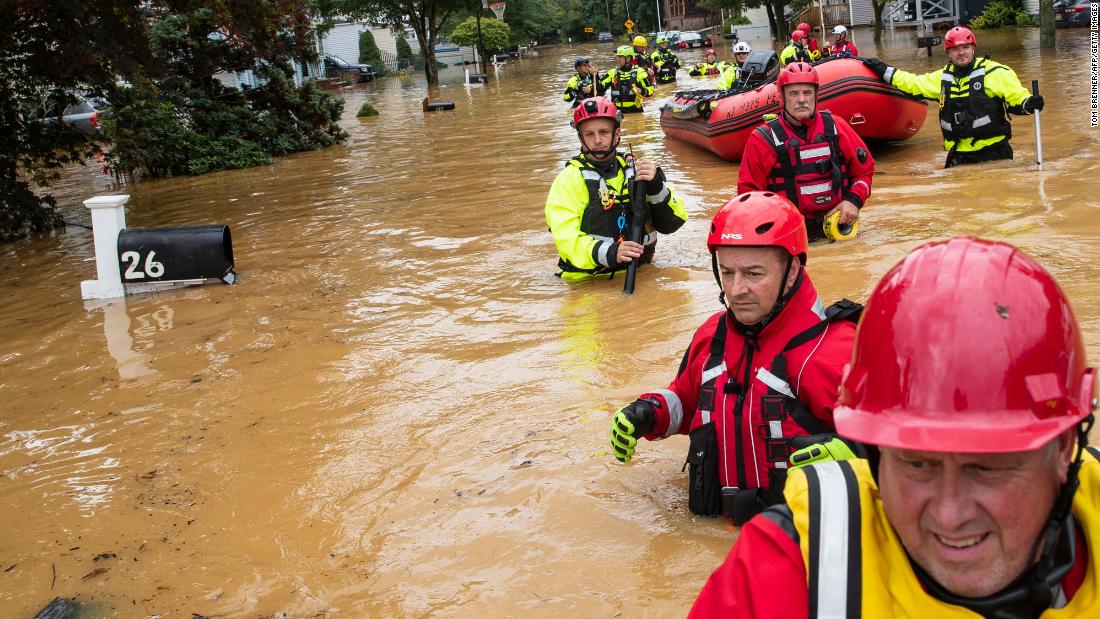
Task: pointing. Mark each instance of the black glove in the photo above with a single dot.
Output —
(656, 184)
(1033, 104)
(874, 64)
(629, 424)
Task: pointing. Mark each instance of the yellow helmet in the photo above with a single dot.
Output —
(639, 41)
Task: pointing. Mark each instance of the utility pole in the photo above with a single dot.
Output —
(659, 26)
(607, 7)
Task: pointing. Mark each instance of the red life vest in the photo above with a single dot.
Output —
(748, 410)
(812, 173)
(842, 47)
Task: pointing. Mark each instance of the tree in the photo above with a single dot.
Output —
(879, 7)
(182, 120)
(48, 52)
(530, 20)
(369, 52)
(494, 35)
(1046, 23)
(426, 17)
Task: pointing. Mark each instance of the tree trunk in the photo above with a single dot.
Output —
(783, 29)
(1046, 23)
(426, 39)
(771, 21)
(879, 10)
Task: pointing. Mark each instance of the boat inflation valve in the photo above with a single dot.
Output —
(836, 231)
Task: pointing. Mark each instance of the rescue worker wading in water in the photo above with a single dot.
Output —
(582, 85)
(979, 496)
(665, 62)
(757, 375)
(796, 50)
(813, 158)
(732, 73)
(627, 84)
(974, 94)
(710, 65)
(588, 207)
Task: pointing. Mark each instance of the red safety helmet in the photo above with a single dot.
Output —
(796, 73)
(966, 346)
(958, 36)
(804, 27)
(596, 107)
(757, 219)
(798, 35)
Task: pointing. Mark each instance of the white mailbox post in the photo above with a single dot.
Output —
(108, 219)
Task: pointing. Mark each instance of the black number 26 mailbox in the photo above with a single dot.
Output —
(132, 261)
(176, 254)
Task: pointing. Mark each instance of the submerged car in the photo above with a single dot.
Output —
(694, 39)
(1071, 13)
(80, 110)
(605, 37)
(335, 65)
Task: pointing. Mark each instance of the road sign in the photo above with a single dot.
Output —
(589, 30)
(629, 24)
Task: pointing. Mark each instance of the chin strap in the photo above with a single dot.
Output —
(599, 154)
(1034, 591)
(780, 300)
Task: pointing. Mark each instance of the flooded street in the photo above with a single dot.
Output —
(400, 411)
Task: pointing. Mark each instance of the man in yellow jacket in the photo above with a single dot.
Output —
(974, 94)
(626, 84)
(979, 496)
(588, 207)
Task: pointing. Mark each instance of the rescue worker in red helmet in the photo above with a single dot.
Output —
(588, 207)
(973, 93)
(979, 496)
(758, 375)
(810, 156)
(811, 42)
(710, 65)
(796, 50)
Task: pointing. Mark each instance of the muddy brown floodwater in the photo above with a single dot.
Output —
(399, 411)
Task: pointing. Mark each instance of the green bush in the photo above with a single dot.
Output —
(369, 52)
(734, 20)
(367, 110)
(1000, 13)
(230, 129)
(404, 52)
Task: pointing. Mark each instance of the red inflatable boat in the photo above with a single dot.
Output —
(721, 122)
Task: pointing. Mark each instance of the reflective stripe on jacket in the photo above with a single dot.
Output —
(870, 574)
(620, 84)
(583, 211)
(754, 422)
(972, 104)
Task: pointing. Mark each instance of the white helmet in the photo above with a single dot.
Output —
(742, 48)
(840, 30)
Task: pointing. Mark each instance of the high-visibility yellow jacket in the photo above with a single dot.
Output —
(588, 213)
(876, 563)
(973, 102)
(626, 87)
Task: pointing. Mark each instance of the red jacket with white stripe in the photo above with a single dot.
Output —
(761, 170)
(810, 372)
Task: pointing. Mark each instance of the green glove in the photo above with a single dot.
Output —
(630, 423)
(833, 449)
(769, 117)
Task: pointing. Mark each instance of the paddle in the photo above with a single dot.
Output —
(639, 212)
(1038, 135)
